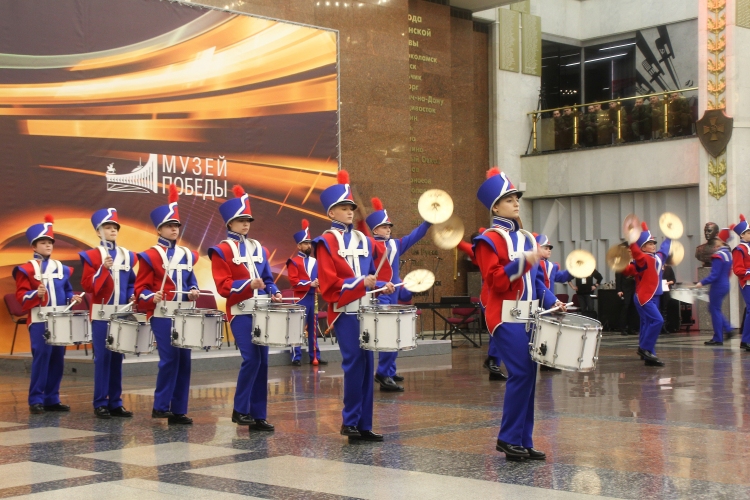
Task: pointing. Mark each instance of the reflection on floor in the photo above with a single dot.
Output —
(624, 431)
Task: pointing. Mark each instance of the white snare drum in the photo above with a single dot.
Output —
(388, 327)
(68, 328)
(248, 306)
(279, 325)
(129, 333)
(167, 308)
(568, 342)
(197, 328)
(688, 295)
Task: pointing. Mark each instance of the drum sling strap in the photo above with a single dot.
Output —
(121, 263)
(174, 264)
(516, 251)
(352, 252)
(54, 270)
(253, 254)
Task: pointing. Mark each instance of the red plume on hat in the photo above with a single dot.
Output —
(49, 218)
(732, 226)
(742, 217)
(493, 172)
(305, 224)
(342, 177)
(644, 226)
(238, 191)
(174, 195)
(377, 204)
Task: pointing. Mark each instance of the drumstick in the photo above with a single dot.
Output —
(200, 293)
(385, 287)
(72, 303)
(122, 309)
(554, 309)
(382, 261)
(164, 280)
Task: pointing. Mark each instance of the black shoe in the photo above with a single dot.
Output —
(161, 414)
(367, 436)
(654, 362)
(536, 454)
(512, 452)
(745, 346)
(36, 409)
(102, 412)
(546, 368)
(650, 358)
(296, 362)
(57, 407)
(241, 419)
(177, 419)
(397, 378)
(730, 334)
(261, 424)
(498, 375)
(121, 412)
(320, 361)
(489, 364)
(350, 431)
(387, 384)
(712, 342)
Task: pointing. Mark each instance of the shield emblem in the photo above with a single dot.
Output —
(715, 131)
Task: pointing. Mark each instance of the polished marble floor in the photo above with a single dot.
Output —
(624, 431)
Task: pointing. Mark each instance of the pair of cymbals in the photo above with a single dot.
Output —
(419, 280)
(580, 263)
(671, 226)
(618, 258)
(676, 254)
(448, 235)
(435, 206)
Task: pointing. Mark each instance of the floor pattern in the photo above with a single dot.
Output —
(623, 431)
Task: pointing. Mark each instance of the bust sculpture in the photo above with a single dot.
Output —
(704, 252)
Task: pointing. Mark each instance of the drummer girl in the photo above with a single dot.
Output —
(109, 277)
(43, 282)
(721, 269)
(165, 273)
(508, 257)
(741, 268)
(241, 271)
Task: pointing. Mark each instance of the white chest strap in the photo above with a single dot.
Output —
(54, 271)
(253, 255)
(515, 251)
(352, 252)
(175, 264)
(121, 263)
(310, 266)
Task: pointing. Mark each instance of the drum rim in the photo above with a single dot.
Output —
(598, 325)
(389, 308)
(198, 312)
(280, 307)
(68, 313)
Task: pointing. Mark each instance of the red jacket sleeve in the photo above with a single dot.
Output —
(465, 247)
(738, 263)
(225, 285)
(26, 293)
(144, 282)
(97, 282)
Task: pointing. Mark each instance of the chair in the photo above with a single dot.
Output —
(209, 302)
(16, 314)
(462, 316)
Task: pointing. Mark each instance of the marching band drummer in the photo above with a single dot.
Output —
(508, 257)
(647, 268)
(346, 273)
(741, 268)
(109, 277)
(302, 270)
(164, 271)
(381, 226)
(241, 271)
(43, 282)
(721, 269)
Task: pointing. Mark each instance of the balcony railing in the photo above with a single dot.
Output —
(618, 121)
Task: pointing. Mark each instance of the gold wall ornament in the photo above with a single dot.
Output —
(716, 24)
(717, 168)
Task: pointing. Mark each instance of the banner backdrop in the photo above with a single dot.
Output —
(104, 103)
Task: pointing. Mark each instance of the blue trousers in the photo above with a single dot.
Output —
(107, 369)
(746, 329)
(387, 360)
(493, 352)
(651, 323)
(173, 380)
(720, 323)
(312, 332)
(517, 424)
(47, 363)
(251, 395)
(358, 366)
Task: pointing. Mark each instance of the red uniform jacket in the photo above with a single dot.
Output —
(149, 278)
(647, 270)
(98, 281)
(299, 278)
(741, 263)
(27, 285)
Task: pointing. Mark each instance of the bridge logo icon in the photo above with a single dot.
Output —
(143, 178)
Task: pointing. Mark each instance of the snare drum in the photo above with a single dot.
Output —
(68, 328)
(568, 342)
(129, 333)
(279, 325)
(688, 295)
(197, 328)
(388, 327)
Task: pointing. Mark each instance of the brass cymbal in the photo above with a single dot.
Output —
(671, 226)
(618, 258)
(676, 254)
(631, 221)
(448, 234)
(419, 280)
(435, 206)
(580, 263)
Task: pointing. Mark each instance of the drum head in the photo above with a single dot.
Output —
(390, 308)
(573, 320)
